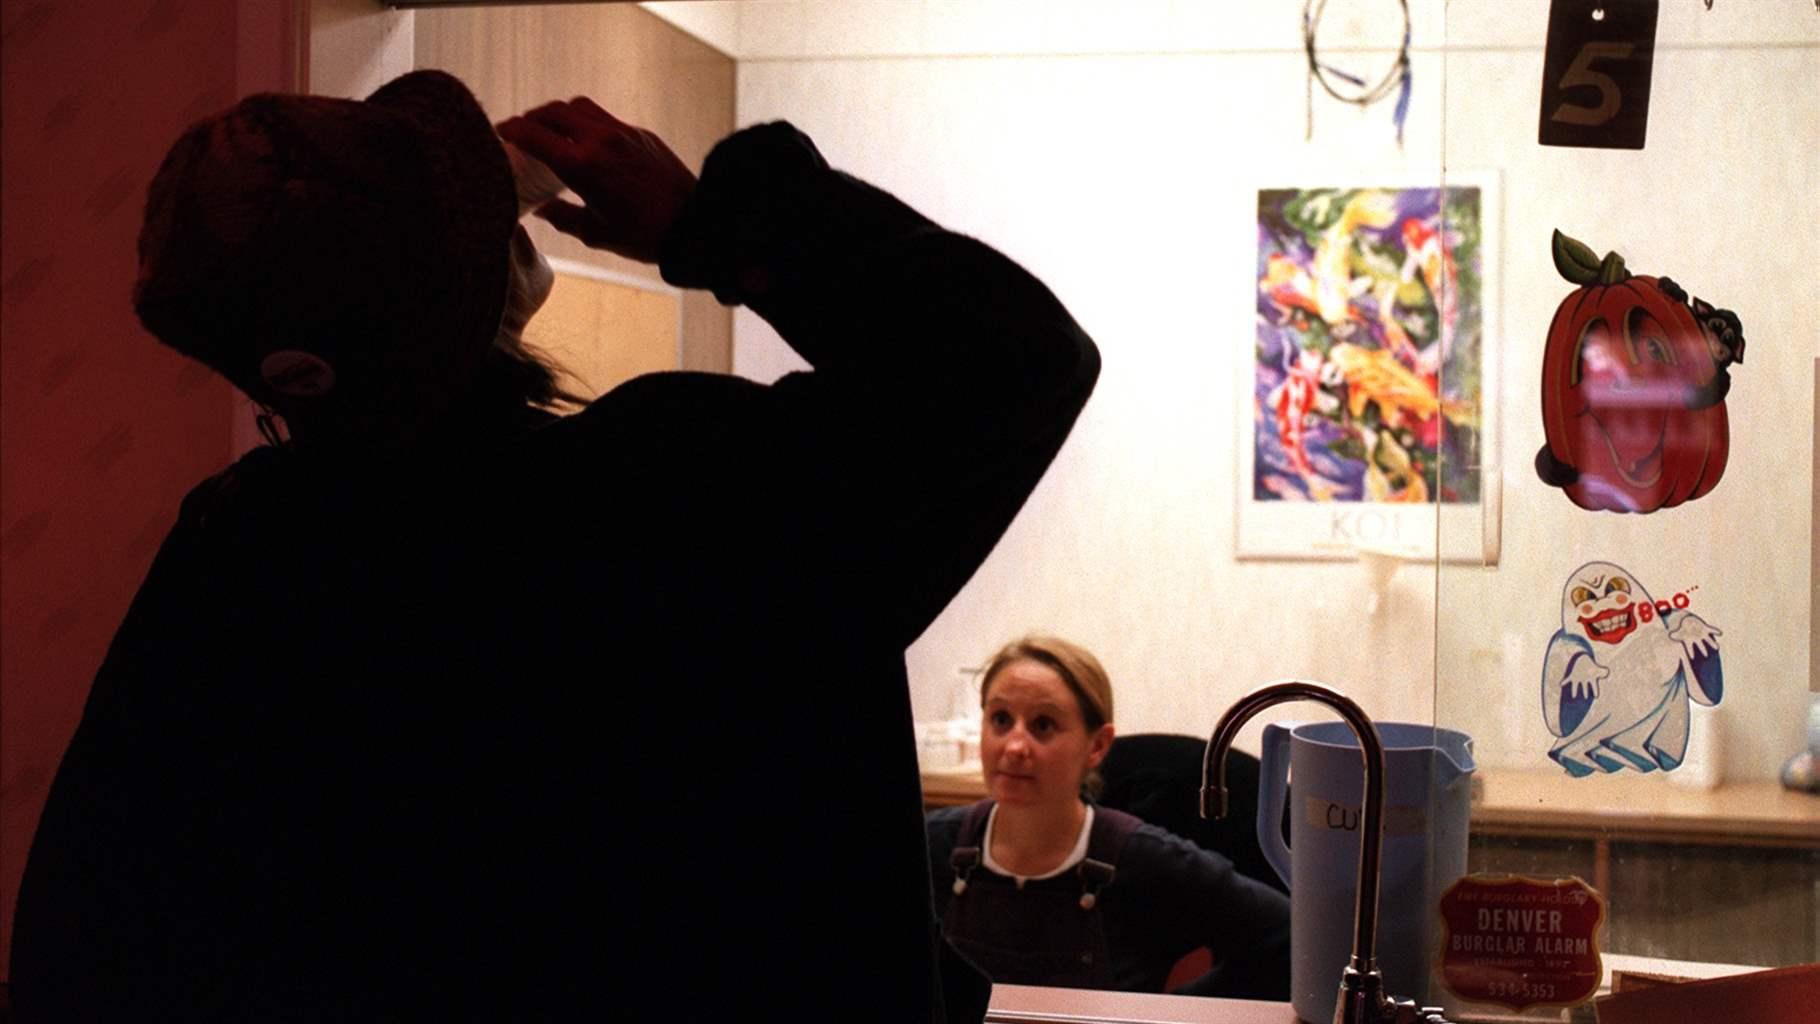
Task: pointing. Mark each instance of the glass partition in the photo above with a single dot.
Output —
(1336, 337)
(1313, 451)
(1635, 668)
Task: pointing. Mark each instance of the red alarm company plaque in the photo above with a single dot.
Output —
(1520, 942)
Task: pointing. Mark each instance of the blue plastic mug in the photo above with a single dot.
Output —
(1428, 799)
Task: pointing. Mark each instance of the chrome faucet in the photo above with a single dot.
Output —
(1362, 996)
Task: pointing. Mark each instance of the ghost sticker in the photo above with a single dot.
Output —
(1634, 379)
(1618, 674)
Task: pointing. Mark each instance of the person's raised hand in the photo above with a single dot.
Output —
(631, 185)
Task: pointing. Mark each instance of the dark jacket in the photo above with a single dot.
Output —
(1167, 898)
(501, 731)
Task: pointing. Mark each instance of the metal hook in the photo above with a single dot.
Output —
(1709, 4)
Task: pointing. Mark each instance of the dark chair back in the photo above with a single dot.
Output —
(1157, 776)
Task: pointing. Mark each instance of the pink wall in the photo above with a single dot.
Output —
(102, 430)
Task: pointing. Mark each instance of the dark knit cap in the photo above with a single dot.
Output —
(371, 233)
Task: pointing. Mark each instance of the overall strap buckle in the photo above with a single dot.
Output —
(1095, 875)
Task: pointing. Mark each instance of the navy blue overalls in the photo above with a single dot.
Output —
(1050, 931)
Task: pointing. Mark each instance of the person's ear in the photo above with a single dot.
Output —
(294, 373)
(1098, 744)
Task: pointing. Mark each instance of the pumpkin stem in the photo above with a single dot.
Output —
(1611, 269)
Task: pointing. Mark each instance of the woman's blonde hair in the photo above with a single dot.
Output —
(1083, 674)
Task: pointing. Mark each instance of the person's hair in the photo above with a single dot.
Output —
(1081, 672)
(530, 374)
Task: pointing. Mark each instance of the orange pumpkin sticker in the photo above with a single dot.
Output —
(1634, 379)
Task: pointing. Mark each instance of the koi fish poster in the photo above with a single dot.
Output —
(1368, 376)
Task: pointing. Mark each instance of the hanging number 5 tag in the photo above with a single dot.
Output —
(1595, 74)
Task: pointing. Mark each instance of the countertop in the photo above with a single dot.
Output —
(1025, 1004)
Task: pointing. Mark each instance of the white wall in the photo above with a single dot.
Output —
(356, 46)
(715, 22)
(1127, 181)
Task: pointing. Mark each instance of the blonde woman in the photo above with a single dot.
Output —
(1038, 886)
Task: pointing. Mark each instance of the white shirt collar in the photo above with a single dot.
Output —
(1075, 856)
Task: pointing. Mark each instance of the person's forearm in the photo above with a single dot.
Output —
(945, 376)
(856, 280)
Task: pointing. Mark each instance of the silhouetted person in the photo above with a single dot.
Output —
(448, 707)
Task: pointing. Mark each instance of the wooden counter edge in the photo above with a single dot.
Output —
(1027, 1004)
(1644, 808)
(1746, 813)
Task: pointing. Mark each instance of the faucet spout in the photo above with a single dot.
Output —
(1213, 788)
(1362, 996)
